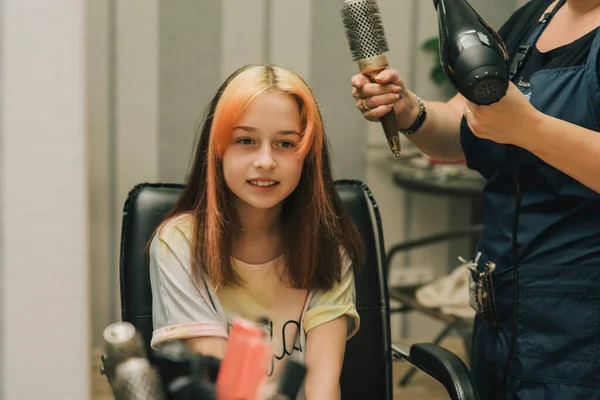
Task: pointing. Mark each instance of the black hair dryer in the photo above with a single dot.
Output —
(471, 53)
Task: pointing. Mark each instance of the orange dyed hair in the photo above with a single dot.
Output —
(315, 225)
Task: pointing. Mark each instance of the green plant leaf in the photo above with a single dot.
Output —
(436, 73)
(431, 44)
(438, 76)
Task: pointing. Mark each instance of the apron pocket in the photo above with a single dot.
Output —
(534, 390)
(559, 325)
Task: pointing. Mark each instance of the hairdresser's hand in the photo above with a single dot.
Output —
(374, 100)
(506, 121)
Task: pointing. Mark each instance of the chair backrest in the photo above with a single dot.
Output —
(367, 369)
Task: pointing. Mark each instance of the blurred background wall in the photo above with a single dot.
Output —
(44, 202)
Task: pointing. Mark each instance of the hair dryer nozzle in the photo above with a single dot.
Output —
(480, 73)
(472, 54)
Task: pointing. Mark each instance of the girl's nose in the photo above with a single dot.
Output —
(265, 158)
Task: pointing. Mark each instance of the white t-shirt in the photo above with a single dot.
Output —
(182, 309)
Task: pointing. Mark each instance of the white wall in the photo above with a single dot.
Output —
(44, 307)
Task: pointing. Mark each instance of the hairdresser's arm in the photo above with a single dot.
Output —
(325, 345)
(439, 136)
(567, 147)
(570, 148)
(208, 346)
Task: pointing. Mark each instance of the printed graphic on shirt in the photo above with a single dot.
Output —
(287, 348)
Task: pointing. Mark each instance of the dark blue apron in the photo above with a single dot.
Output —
(557, 350)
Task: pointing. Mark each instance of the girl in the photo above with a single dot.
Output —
(259, 231)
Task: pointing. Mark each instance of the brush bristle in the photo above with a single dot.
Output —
(364, 29)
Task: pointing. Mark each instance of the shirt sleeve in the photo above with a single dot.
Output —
(325, 306)
(180, 308)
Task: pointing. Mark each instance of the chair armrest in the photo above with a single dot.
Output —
(443, 366)
(473, 230)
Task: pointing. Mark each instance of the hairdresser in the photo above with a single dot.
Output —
(537, 329)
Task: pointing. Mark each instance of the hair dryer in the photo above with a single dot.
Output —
(471, 53)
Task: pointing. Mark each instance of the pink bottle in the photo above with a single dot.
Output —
(243, 370)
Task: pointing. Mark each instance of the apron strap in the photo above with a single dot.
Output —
(525, 49)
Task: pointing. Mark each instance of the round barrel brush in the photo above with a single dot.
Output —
(368, 46)
(121, 342)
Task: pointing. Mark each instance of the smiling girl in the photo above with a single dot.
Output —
(260, 231)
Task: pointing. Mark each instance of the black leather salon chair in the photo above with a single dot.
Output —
(367, 369)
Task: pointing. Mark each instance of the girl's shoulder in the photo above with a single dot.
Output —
(172, 238)
(176, 228)
(347, 267)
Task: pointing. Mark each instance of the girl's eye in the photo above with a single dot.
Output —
(245, 141)
(285, 144)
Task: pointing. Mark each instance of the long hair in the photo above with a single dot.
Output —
(315, 227)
